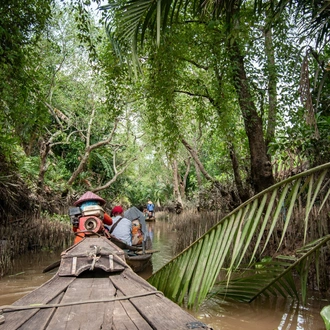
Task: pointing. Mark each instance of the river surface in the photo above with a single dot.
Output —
(271, 314)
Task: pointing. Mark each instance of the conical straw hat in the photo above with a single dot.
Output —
(89, 196)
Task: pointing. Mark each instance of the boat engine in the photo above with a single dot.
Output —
(74, 214)
(85, 224)
(90, 224)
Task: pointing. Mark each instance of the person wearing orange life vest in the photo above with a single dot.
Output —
(88, 199)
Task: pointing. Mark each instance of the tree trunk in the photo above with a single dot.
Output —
(272, 78)
(243, 192)
(261, 169)
(44, 148)
(176, 190)
(183, 181)
(198, 163)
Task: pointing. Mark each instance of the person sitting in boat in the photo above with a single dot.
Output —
(137, 234)
(121, 227)
(150, 209)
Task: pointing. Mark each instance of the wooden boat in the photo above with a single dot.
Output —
(137, 257)
(93, 289)
(149, 217)
(138, 263)
(152, 218)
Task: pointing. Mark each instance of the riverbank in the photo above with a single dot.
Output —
(23, 236)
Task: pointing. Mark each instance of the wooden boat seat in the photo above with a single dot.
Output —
(98, 254)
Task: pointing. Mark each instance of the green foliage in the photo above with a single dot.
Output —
(325, 313)
(268, 276)
(69, 153)
(22, 23)
(311, 17)
(301, 140)
(148, 178)
(272, 277)
(29, 168)
(65, 219)
(247, 234)
(56, 68)
(102, 163)
(57, 175)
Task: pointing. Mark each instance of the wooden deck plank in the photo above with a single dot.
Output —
(137, 319)
(121, 320)
(43, 295)
(42, 317)
(93, 314)
(84, 316)
(159, 311)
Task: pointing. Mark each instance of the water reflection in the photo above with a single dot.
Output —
(262, 314)
(26, 275)
(163, 240)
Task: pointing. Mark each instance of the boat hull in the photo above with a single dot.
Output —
(137, 258)
(138, 263)
(95, 289)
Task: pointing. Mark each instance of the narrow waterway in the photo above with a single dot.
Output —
(275, 313)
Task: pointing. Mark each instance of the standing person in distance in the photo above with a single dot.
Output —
(151, 209)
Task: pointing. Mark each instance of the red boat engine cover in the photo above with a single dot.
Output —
(91, 224)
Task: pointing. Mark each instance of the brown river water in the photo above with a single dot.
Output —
(267, 314)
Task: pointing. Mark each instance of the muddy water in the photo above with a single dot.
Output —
(26, 275)
(269, 314)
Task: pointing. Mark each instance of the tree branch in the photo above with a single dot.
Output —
(88, 150)
(200, 66)
(114, 178)
(206, 95)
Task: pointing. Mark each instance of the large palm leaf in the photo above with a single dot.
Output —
(129, 21)
(272, 276)
(288, 214)
(132, 18)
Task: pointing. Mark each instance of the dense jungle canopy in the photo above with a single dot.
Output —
(201, 104)
(208, 106)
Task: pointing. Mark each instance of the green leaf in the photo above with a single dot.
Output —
(228, 244)
(325, 313)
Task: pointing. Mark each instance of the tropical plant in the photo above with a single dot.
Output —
(204, 26)
(325, 313)
(22, 24)
(289, 216)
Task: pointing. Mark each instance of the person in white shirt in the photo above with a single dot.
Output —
(121, 227)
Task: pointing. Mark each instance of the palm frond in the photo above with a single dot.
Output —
(266, 222)
(325, 313)
(129, 21)
(271, 276)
